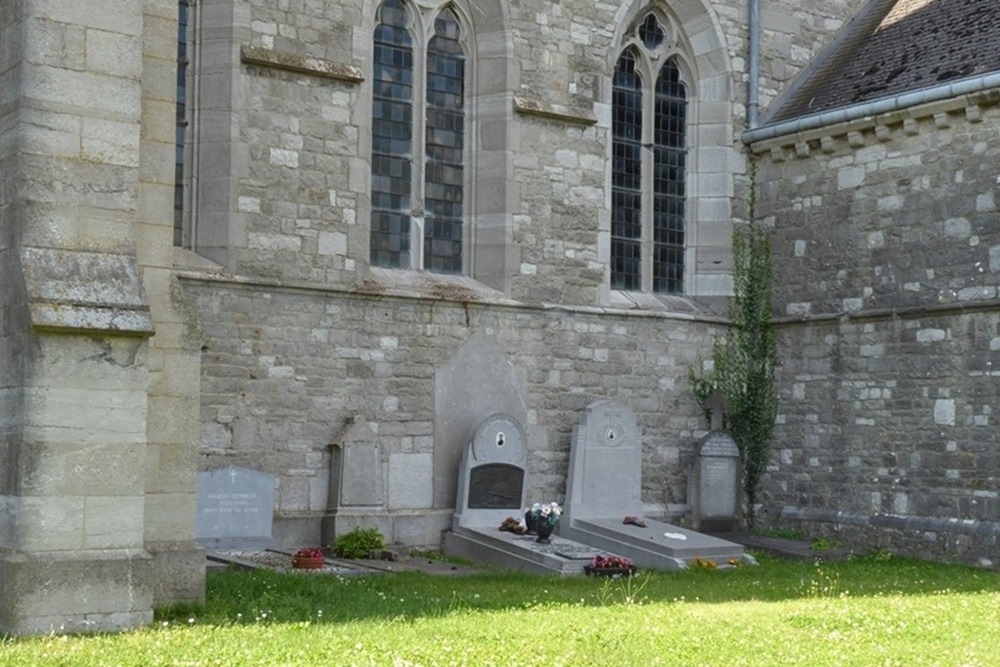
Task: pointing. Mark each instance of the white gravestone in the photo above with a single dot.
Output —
(235, 508)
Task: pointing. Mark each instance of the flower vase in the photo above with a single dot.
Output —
(544, 530)
(308, 563)
(530, 522)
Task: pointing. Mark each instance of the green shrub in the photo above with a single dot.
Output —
(358, 543)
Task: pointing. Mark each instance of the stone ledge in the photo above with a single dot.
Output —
(290, 62)
(85, 291)
(451, 291)
(905, 313)
(560, 112)
(897, 521)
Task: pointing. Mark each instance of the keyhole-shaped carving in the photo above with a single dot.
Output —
(611, 435)
(500, 439)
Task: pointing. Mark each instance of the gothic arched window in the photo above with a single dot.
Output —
(649, 128)
(418, 141)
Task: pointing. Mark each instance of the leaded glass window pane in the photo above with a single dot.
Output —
(669, 180)
(651, 33)
(626, 190)
(392, 137)
(183, 11)
(444, 148)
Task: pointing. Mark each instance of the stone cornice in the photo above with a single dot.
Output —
(877, 128)
(559, 112)
(290, 62)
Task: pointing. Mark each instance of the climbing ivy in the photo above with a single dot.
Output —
(745, 357)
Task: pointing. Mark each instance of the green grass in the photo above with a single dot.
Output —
(874, 611)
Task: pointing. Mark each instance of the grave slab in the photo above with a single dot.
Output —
(604, 486)
(491, 488)
(235, 508)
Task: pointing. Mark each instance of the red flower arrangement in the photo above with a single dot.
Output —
(610, 561)
(309, 552)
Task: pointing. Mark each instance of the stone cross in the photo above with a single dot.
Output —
(716, 404)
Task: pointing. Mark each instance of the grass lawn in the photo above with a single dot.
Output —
(871, 611)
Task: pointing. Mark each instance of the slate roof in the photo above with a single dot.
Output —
(899, 46)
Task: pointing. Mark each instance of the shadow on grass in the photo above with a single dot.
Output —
(257, 596)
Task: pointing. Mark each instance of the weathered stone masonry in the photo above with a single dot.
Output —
(286, 367)
(271, 324)
(887, 244)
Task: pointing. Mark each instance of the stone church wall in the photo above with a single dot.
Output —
(888, 254)
(285, 369)
(303, 335)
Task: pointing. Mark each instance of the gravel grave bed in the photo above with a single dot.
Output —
(278, 560)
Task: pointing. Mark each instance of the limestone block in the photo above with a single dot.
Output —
(179, 569)
(410, 477)
(71, 465)
(113, 522)
(75, 591)
(120, 16)
(113, 53)
(110, 142)
(47, 523)
(944, 411)
(50, 133)
(99, 93)
(850, 177)
(57, 44)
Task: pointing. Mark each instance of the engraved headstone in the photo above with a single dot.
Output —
(235, 508)
(605, 473)
(604, 488)
(715, 484)
(491, 487)
(491, 474)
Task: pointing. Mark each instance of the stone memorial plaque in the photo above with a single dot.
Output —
(235, 508)
(361, 477)
(496, 486)
(716, 483)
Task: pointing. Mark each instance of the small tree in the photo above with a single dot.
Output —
(745, 358)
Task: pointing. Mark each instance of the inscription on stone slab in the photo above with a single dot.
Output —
(495, 486)
(361, 481)
(718, 487)
(717, 482)
(235, 506)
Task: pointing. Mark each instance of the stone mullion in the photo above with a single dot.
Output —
(648, 199)
(418, 216)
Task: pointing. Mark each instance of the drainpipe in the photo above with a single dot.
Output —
(873, 108)
(753, 65)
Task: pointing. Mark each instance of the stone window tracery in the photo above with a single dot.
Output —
(418, 140)
(649, 136)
